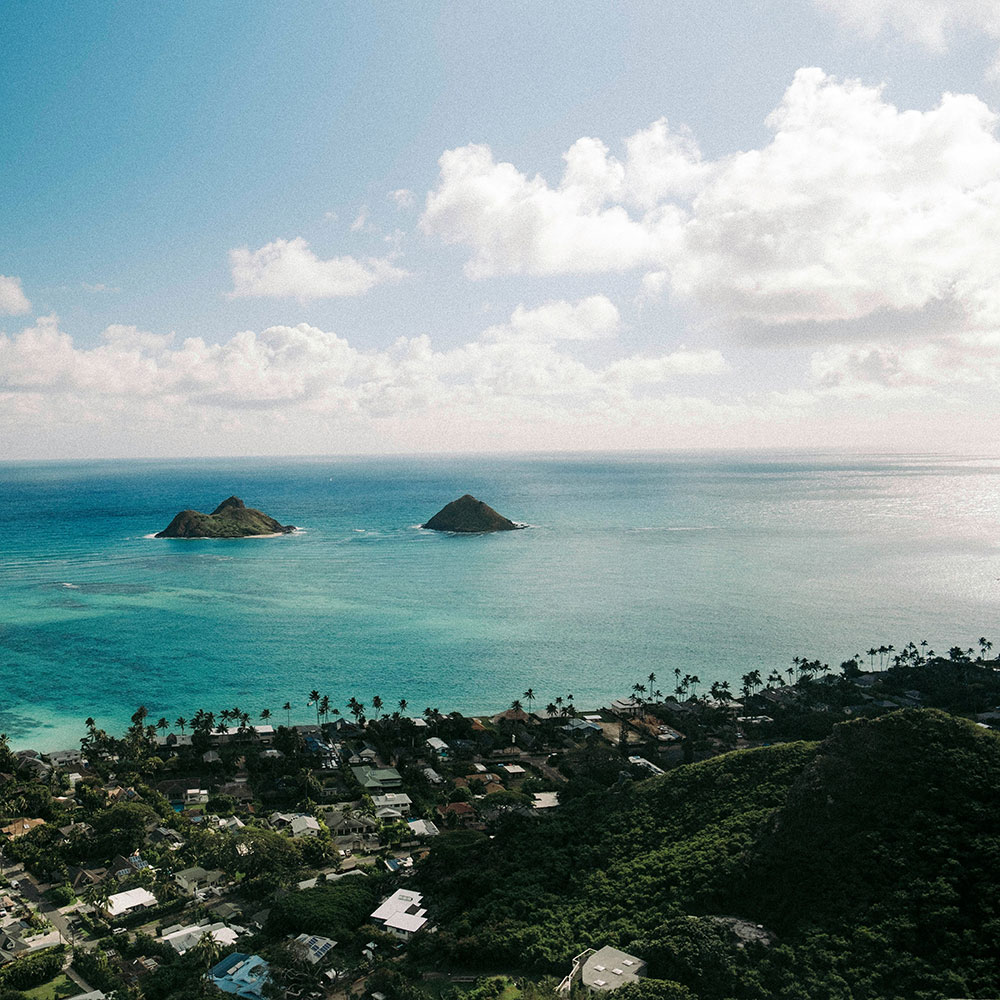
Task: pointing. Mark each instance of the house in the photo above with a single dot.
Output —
(313, 948)
(377, 780)
(581, 727)
(304, 826)
(343, 824)
(423, 828)
(128, 902)
(432, 776)
(626, 706)
(545, 800)
(603, 970)
(514, 771)
(81, 879)
(122, 867)
(193, 879)
(183, 938)
(401, 914)
(399, 801)
(65, 758)
(195, 796)
(437, 746)
(241, 975)
(20, 827)
(462, 811)
(170, 839)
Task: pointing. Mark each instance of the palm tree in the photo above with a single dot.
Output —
(287, 709)
(323, 708)
(265, 715)
(314, 700)
(516, 705)
(162, 724)
(181, 722)
(529, 697)
(377, 705)
(357, 709)
(402, 706)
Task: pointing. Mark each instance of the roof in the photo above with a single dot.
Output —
(402, 911)
(122, 902)
(609, 968)
(423, 828)
(182, 939)
(21, 826)
(244, 975)
(313, 947)
(392, 799)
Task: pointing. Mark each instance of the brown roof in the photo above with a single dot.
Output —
(21, 826)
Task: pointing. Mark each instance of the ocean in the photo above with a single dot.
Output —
(711, 565)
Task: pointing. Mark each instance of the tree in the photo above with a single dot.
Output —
(287, 709)
(314, 700)
(180, 722)
(377, 705)
(529, 697)
(265, 715)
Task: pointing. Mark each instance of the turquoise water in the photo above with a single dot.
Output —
(709, 564)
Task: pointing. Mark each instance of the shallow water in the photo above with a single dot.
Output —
(707, 564)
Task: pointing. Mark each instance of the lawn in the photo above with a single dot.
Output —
(54, 989)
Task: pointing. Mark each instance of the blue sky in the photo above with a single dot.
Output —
(345, 228)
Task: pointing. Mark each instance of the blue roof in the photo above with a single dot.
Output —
(222, 968)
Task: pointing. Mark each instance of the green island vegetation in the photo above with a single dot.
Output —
(819, 834)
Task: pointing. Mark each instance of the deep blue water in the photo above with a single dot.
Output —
(711, 565)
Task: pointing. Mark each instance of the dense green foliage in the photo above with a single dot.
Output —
(872, 856)
(30, 970)
(335, 911)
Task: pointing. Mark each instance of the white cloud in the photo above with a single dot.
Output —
(519, 225)
(288, 268)
(315, 383)
(361, 220)
(944, 363)
(931, 23)
(592, 318)
(854, 210)
(403, 198)
(13, 301)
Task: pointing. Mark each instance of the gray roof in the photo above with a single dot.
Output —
(610, 968)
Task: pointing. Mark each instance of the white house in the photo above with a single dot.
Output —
(125, 902)
(184, 938)
(399, 801)
(401, 914)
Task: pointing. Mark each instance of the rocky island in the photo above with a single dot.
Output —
(231, 519)
(469, 515)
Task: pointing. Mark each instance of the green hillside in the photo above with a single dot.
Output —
(872, 857)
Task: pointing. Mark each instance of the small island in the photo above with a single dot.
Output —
(231, 519)
(469, 516)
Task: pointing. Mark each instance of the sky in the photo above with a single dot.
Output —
(387, 228)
